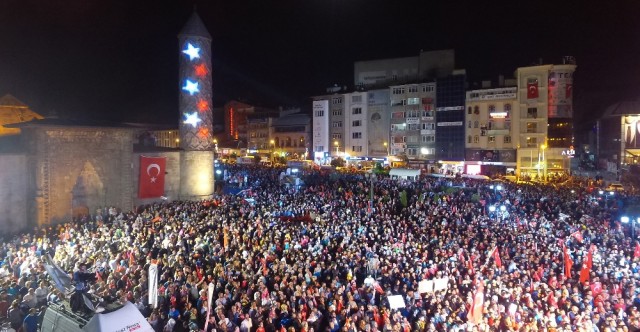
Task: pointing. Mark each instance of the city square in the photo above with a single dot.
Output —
(421, 190)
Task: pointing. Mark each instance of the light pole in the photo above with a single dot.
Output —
(544, 163)
(215, 160)
(337, 148)
(273, 147)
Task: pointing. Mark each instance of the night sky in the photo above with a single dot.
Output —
(118, 59)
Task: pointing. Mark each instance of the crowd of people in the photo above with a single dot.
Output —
(550, 260)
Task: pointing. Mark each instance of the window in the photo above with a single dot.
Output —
(427, 88)
(413, 114)
(413, 101)
(532, 127)
(429, 125)
(356, 123)
(469, 110)
(336, 136)
(397, 91)
(476, 139)
(319, 148)
(397, 115)
(412, 151)
(394, 77)
(398, 127)
(427, 114)
(356, 135)
(469, 124)
(356, 148)
(412, 139)
(507, 139)
(492, 108)
(532, 112)
(413, 126)
(357, 110)
(337, 124)
(532, 142)
(319, 114)
(398, 139)
(400, 102)
(336, 101)
(413, 89)
(469, 139)
(476, 110)
(475, 124)
(336, 112)
(356, 99)
(507, 107)
(429, 138)
(492, 139)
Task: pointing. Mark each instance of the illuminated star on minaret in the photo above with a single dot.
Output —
(191, 87)
(192, 119)
(192, 52)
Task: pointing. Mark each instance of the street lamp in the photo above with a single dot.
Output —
(337, 147)
(273, 147)
(371, 177)
(544, 163)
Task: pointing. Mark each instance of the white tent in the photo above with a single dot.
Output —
(127, 318)
(404, 173)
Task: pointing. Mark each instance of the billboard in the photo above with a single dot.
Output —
(560, 93)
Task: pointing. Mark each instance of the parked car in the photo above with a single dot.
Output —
(614, 186)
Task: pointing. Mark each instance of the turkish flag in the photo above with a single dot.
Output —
(590, 256)
(532, 90)
(578, 236)
(151, 183)
(568, 263)
(475, 311)
(596, 288)
(636, 251)
(568, 90)
(496, 257)
(584, 273)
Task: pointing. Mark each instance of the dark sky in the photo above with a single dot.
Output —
(118, 59)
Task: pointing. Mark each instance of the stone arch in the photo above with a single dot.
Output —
(88, 191)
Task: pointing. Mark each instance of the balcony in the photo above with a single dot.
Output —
(496, 132)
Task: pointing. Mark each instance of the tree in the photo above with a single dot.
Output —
(403, 198)
(338, 162)
(256, 158)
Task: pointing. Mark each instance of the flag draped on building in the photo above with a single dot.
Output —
(532, 89)
(151, 182)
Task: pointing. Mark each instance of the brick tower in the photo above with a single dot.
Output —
(196, 165)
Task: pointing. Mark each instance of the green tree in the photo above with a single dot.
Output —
(338, 162)
(403, 198)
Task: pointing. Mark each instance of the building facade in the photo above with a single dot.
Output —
(356, 140)
(489, 128)
(545, 133)
(450, 117)
(413, 121)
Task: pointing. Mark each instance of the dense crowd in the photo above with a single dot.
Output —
(321, 257)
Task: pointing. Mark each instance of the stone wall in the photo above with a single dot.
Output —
(196, 180)
(171, 177)
(78, 170)
(13, 190)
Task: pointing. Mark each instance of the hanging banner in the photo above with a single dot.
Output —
(151, 182)
(153, 285)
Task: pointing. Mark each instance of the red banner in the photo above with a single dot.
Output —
(568, 262)
(568, 91)
(532, 90)
(151, 183)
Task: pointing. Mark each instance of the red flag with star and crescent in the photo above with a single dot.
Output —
(532, 89)
(568, 262)
(151, 182)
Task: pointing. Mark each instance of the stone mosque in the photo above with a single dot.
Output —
(53, 169)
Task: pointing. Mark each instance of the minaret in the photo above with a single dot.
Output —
(196, 166)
